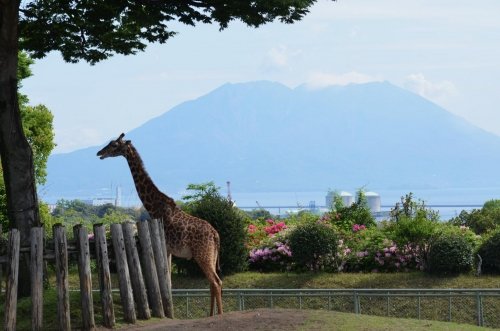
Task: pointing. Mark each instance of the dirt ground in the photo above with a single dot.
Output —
(261, 319)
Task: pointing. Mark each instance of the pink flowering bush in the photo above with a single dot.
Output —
(276, 257)
(258, 232)
(358, 227)
(274, 227)
(370, 250)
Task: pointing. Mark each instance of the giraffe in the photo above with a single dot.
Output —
(186, 236)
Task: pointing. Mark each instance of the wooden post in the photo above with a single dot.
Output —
(168, 264)
(101, 252)
(123, 273)
(82, 245)
(61, 255)
(161, 267)
(151, 276)
(136, 277)
(36, 268)
(1, 266)
(12, 279)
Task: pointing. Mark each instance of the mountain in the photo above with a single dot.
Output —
(264, 136)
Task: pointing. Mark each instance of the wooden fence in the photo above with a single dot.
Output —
(141, 263)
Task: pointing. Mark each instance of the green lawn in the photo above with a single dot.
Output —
(341, 280)
(318, 320)
(275, 280)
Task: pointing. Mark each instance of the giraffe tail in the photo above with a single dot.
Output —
(217, 263)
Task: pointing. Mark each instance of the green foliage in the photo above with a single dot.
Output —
(259, 214)
(490, 253)
(314, 246)
(450, 253)
(480, 220)
(344, 217)
(37, 125)
(96, 30)
(413, 225)
(207, 203)
(72, 212)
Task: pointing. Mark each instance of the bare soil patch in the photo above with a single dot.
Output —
(260, 319)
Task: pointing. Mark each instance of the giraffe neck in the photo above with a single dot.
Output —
(158, 204)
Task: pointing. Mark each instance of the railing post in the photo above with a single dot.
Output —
(449, 307)
(418, 305)
(101, 252)
(356, 303)
(387, 304)
(479, 309)
(61, 255)
(12, 280)
(36, 266)
(82, 244)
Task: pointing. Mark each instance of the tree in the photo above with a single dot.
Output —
(93, 31)
(37, 126)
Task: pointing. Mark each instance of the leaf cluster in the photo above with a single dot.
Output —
(481, 220)
(95, 30)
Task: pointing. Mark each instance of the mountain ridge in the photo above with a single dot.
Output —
(265, 136)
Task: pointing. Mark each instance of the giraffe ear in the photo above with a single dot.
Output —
(127, 142)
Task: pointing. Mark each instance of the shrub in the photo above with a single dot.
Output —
(412, 225)
(345, 217)
(450, 253)
(490, 253)
(229, 222)
(314, 246)
(370, 250)
(276, 257)
(480, 220)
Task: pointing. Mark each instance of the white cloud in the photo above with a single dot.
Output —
(322, 79)
(278, 58)
(439, 92)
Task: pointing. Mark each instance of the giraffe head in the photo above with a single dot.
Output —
(115, 148)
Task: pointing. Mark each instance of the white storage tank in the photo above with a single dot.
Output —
(347, 198)
(329, 199)
(373, 200)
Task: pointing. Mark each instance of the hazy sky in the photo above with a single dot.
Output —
(446, 50)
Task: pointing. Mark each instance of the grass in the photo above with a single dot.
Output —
(341, 280)
(319, 320)
(264, 280)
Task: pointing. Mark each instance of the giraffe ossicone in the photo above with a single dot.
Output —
(186, 236)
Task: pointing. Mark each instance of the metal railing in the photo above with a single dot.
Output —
(472, 306)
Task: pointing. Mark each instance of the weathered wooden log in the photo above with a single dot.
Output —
(134, 266)
(101, 252)
(161, 266)
(12, 280)
(82, 243)
(61, 256)
(168, 264)
(151, 276)
(36, 269)
(1, 265)
(123, 273)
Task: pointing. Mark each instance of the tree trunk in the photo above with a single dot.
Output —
(15, 152)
